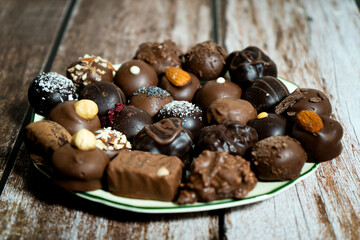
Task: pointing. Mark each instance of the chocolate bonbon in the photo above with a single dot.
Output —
(269, 124)
(138, 174)
(111, 141)
(278, 158)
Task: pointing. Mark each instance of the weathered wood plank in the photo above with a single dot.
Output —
(314, 44)
(32, 206)
(28, 29)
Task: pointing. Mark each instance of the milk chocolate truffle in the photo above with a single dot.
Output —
(111, 141)
(206, 60)
(133, 75)
(104, 94)
(90, 69)
(269, 124)
(44, 137)
(49, 89)
(322, 145)
(249, 64)
(191, 115)
(126, 119)
(137, 174)
(230, 108)
(160, 56)
(231, 137)
(73, 115)
(305, 99)
(212, 90)
(151, 99)
(278, 158)
(165, 137)
(265, 93)
(180, 91)
(217, 175)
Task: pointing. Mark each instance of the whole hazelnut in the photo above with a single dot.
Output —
(84, 140)
(86, 108)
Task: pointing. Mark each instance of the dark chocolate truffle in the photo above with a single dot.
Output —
(269, 124)
(159, 55)
(166, 137)
(111, 141)
(265, 93)
(49, 89)
(230, 108)
(104, 94)
(322, 145)
(206, 60)
(137, 174)
(151, 99)
(249, 64)
(278, 158)
(133, 75)
(126, 119)
(217, 175)
(231, 136)
(90, 69)
(305, 99)
(191, 115)
(212, 90)
(184, 92)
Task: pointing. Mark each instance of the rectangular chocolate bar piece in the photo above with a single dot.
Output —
(144, 175)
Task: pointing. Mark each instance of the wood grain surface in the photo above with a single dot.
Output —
(314, 44)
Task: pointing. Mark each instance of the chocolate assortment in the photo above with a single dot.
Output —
(171, 126)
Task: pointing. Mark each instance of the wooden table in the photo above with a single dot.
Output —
(314, 43)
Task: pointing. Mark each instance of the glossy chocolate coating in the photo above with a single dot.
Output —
(104, 94)
(272, 125)
(49, 89)
(185, 92)
(265, 93)
(191, 115)
(249, 64)
(159, 55)
(323, 145)
(217, 175)
(278, 158)
(137, 174)
(231, 136)
(151, 99)
(90, 69)
(64, 114)
(78, 170)
(230, 108)
(165, 137)
(126, 119)
(206, 60)
(215, 89)
(133, 75)
(44, 137)
(305, 99)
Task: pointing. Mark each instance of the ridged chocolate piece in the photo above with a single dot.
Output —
(265, 93)
(217, 175)
(231, 137)
(271, 125)
(249, 64)
(278, 158)
(137, 174)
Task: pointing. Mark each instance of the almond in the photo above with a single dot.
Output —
(309, 121)
(177, 76)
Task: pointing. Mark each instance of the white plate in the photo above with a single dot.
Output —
(262, 191)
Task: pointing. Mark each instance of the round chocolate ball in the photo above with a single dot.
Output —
(133, 75)
(269, 124)
(49, 89)
(265, 93)
(249, 64)
(104, 94)
(215, 89)
(278, 158)
(206, 60)
(90, 69)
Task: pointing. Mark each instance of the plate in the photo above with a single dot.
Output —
(261, 192)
